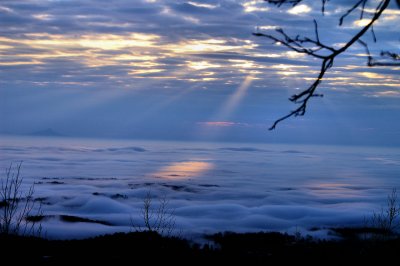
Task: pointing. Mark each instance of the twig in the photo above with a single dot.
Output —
(326, 53)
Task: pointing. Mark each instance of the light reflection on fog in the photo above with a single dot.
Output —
(186, 169)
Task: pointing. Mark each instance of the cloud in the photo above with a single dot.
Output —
(187, 51)
(204, 5)
(255, 6)
(299, 9)
(210, 186)
(221, 124)
(389, 94)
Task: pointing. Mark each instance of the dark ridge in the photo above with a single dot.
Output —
(41, 199)
(55, 182)
(287, 189)
(358, 232)
(208, 185)
(135, 149)
(3, 204)
(94, 178)
(119, 196)
(77, 219)
(242, 149)
(180, 188)
(174, 187)
(36, 218)
(223, 248)
(137, 185)
(292, 151)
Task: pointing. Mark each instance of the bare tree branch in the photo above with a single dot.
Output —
(159, 219)
(16, 207)
(281, 2)
(387, 219)
(362, 3)
(326, 53)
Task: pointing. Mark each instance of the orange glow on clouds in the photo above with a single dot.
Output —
(218, 124)
(221, 124)
(186, 169)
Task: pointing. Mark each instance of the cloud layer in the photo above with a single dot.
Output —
(211, 187)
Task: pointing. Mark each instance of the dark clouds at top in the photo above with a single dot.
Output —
(174, 69)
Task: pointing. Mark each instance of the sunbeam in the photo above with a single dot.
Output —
(220, 120)
(234, 100)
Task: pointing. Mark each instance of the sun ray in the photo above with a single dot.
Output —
(225, 112)
(233, 101)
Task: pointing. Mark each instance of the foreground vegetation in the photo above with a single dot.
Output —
(154, 239)
(256, 248)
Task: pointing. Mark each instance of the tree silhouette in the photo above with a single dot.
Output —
(327, 53)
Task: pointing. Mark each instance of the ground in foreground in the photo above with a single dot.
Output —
(256, 248)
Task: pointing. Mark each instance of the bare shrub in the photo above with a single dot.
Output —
(16, 207)
(387, 220)
(156, 217)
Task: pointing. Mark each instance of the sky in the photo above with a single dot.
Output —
(191, 70)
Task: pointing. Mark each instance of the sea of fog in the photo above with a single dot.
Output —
(210, 187)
